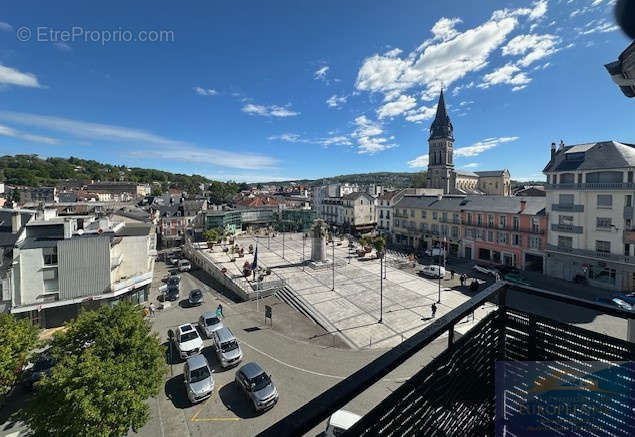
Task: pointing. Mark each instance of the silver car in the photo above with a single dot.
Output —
(199, 383)
(209, 322)
(257, 385)
(227, 348)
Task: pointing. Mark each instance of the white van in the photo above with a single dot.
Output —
(184, 265)
(433, 271)
(339, 422)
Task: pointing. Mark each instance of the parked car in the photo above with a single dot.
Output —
(227, 348)
(184, 265)
(195, 298)
(173, 261)
(503, 269)
(257, 385)
(485, 269)
(339, 422)
(628, 298)
(435, 251)
(173, 280)
(187, 340)
(172, 293)
(209, 323)
(197, 374)
(34, 371)
(614, 301)
(515, 278)
(433, 271)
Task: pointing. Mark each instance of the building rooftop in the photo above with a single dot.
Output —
(505, 204)
(134, 230)
(491, 173)
(592, 156)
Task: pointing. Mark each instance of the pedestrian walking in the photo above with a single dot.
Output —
(433, 308)
(451, 274)
(219, 311)
(462, 279)
(152, 309)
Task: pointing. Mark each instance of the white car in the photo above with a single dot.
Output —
(184, 265)
(433, 271)
(435, 251)
(622, 304)
(485, 269)
(188, 342)
(339, 422)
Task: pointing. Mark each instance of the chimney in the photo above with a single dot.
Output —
(68, 230)
(16, 222)
(561, 145)
(439, 196)
(553, 150)
(523, 205)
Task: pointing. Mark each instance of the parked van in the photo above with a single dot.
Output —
(227, 348)
(184, 265)
(433, 271)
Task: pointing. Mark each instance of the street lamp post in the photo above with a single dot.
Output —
(303, 242)
(333, 244)
(381, 288)
(283, 240)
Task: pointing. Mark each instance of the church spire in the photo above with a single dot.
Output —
(441, 126)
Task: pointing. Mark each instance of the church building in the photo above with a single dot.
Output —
(441, 172)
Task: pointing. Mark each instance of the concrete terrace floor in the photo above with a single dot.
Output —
(354, 307)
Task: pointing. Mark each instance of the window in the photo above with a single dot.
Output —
(565, 219)
(535, 224)
(50, 280)
(604, 176)
(50, 256)
(490, 220)
(503, 237)
(412, 213)
(603, 222)
(565, 242)
(423, 214)
(455, 218)
(603, 247)
(567, 178)
(565, 199)
(388, 214)
(396, 222)
(480, 219)
(579, 178)
(444, 216)
(515, 223)
(455, 232)
(628, 200)
(629, 176)
(605, 201)
(435, 215)
(516, 239)
(534, 242)
(412, 225)
(502, 221)
(469, 218)
(627, 249)
(490, 236)
(606, 275)
(424, 226)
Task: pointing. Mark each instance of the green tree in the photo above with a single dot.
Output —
(211, 235)
(17, 338)
(109, 363)
(419, 180)
(379, 244)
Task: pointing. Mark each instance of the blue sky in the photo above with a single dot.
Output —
(278, 90)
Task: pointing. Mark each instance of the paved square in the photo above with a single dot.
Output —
(353, 308)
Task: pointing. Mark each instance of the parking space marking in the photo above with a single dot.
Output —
(195, 418)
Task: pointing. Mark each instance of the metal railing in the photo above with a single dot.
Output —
(573, 229)
(454, 394)
(592, 186)
(590, 253)
(567, 207)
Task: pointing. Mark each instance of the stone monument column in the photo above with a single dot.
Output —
(318, 241)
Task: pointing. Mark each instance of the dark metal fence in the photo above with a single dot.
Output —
(455, 393)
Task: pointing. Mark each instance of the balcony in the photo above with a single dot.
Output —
(506, 228)
(600, 186)
(584, 253)
(571, 229)
(567, 207)
(455, 394)
(628, 213)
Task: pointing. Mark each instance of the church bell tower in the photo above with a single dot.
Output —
(440, 144)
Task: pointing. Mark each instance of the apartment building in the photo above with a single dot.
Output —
(359, 212)
(120, 190)
(38, 194)
(423, 222)
(385, 210)
(61, 264)
(590, 191)
(505, 230)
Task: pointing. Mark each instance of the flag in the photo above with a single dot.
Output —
(254, 265)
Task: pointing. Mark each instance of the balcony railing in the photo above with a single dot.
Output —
(567, 207)
(593, 186)
(572, 229)
(505, 228)
(591, 254)
(455, 393)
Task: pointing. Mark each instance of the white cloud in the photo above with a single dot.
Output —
(321, 73)
(421, 113)
(596, 2)
(334, 101)
(10, 132)
(338, 140)
(539, 10)
(10, 76)
(518, 88)
(466, 102)
(471, 165)
(6, 27)
(534, 47)
(397, 107)
(268, 111)
(162, 148)
(393, 53)
(507, 74)
(368, 136)
(602, 26)
(205, 91)
(457, 89)
(62, 46)
(439, 61)
(419, 161)
(481, 146)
